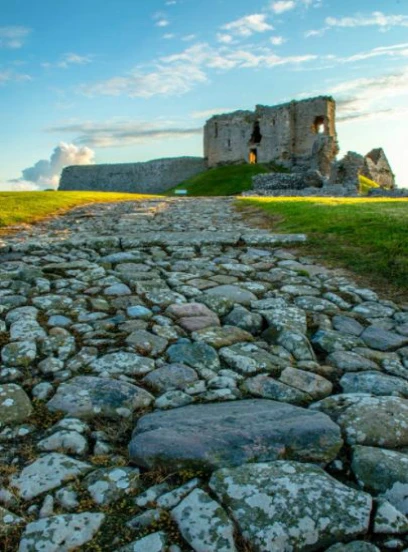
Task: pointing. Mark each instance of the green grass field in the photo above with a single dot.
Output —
(222, 181)
(367, 236)
(29, 207)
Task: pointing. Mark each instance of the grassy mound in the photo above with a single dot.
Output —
(29, 207)
(366, 235)
(221, 181)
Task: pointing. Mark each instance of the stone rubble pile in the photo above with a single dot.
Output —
(172, 380)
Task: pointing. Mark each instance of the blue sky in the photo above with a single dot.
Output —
(122, 80)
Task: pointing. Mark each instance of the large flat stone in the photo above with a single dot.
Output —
(230, 434)
(288, 506)
(90, 397)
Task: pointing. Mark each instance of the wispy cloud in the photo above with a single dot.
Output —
(248, 25)
(376, 19)
(181, 72)
(13, 37)
(123, 133)
(69, 59)
(206, 113)
(12, 76)
(160, 19)
(282, 6)
(277, 40)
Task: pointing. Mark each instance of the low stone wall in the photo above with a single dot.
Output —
(267, 184)
(151, 177)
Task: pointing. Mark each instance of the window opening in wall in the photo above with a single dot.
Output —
(216, 130)
(253, 156)
(256, 134)
(318, 125)
(229, 143)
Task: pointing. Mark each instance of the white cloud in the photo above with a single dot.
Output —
(165, 80)
(188, 38)
(224, 38)
(169, 36)
(12, 76)
(67, 60)
(282, 6)
(13, 37)
(396, 51)
(162, 23)
(207, 113)
(46, 172)
(179, 73)
(377, 19)
(248, 25)
(124, 133)
(277, 40)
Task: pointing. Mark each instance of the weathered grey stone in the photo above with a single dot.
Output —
(171, 376)
(374, 383)
(8, 521)
(222, 434)
(330, 341)
(348, 361)
(15, 405)
(69, 442)
(389, 520)
(269, 388)
(368, 420)
(371, 309)
(286, 318)
(172, 498)
(383, 340)
(232, 293)
(90, 397)
(122, 362)
(19, 353)
(47, 473)
(316, 304)
(297, 344)
(314, 385)
(204, 523)
(147, 343)
(199, 356)
(155, 542)
(348, 325)
(383, 471)
(246, 320)
(222, 337)
(60, 533)
(107, 485)
(291, 506)
(248, 359)
(173, 399)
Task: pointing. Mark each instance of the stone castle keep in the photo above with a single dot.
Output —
(299, 136)
(287, 134)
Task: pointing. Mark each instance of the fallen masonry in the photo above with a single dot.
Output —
(173, 380)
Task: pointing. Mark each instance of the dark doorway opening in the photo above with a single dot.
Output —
(318, 125)
(253, 156)
(256, 134)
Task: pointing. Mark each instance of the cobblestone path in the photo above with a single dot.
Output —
(174, 380)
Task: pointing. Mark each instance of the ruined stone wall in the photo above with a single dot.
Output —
(374, 166)
(285, 134)
(151, 177)
(378, 168)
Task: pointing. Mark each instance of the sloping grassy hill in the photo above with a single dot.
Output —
(29, 207)
(221, 181)
(368, 236)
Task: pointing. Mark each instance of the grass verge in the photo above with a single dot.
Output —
(367, 236)
(221, 181)
(30, 207)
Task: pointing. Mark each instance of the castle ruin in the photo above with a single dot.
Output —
(299, 136)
